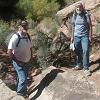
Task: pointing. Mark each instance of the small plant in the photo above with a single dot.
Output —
(4, 31)
(98, 29)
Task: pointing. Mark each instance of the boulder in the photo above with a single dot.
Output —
(67, 10)
(64, 84)
(96, 14)
(8, 94)
(89, 4)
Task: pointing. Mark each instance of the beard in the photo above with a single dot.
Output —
(79, 12)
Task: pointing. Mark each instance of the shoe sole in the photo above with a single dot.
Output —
(77, 68)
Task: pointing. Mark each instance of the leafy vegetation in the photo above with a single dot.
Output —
(44, 8)
(4, 31)
(36, 9)
(24, 8)
(33, 9)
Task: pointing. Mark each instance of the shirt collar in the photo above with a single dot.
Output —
(19, 32)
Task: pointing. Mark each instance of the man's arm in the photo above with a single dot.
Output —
(90, 30)
(72, 35)
(31, 52)
(90, 26)
(11, 46)
(11, 55)
(73, 27)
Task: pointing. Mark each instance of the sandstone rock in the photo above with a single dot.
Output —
(45, 26)
(55, 84)
(67, 10)
(96, 14)
(7, 94)
(91, 4)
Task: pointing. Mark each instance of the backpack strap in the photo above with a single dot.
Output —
(18, 39)
(75, 16)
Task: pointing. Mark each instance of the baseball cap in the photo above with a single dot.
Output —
(79, 5)
(24, 23)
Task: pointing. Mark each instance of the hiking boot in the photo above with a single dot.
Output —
(77, 67)
(87, 73)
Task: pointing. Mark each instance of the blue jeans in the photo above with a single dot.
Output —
(82, 51)
(22, 72)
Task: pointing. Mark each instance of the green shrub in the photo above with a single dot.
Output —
(4, 31)
(44, 8)
(48, 26)
(98, 29)
(45, 31)
(24, 8)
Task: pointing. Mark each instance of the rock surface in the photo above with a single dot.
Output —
(89, 5)
(96, 14)
(67, 10)
(66, 84)
(8, 94)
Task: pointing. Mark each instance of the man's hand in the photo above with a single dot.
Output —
(72, 39)
(90, 39)
(10, 54)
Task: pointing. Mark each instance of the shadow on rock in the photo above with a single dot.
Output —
(44, 83)
(95, 62)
